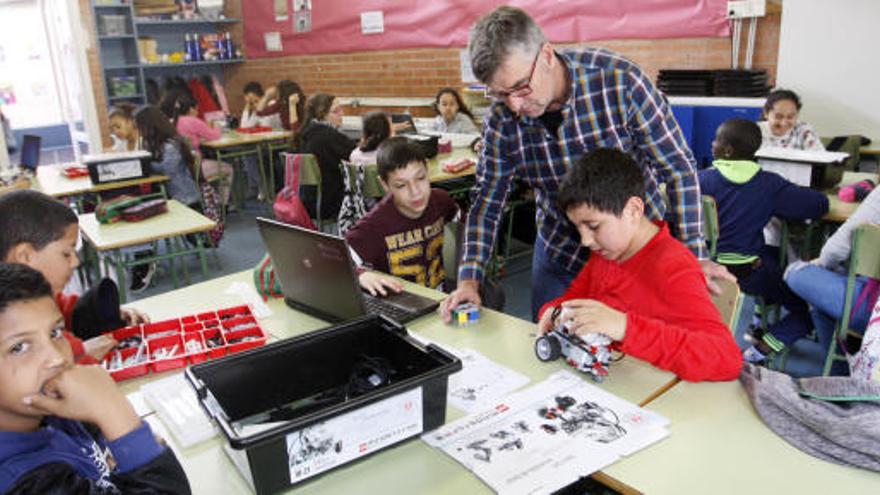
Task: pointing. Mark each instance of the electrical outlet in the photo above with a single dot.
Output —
(740, 9)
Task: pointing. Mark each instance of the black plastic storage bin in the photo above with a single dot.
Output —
(323, 399)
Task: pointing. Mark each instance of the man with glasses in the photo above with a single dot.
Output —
(550, 108)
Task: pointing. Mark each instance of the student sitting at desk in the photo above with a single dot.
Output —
(822, 282)
(171, 155)
(189, 125)
(641, 287)
(253, 93)
(747, 198)
(376, 129)
(66, 428)
(321, 137)
(403, 234)
(453, 115)
(42, 232)
(286, 101)
(781, 127)
(123, 129)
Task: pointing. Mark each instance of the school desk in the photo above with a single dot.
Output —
(435, 165)
(872, 150)
(839, 211)
(52, 181)
(234, 144)
(718, 444)
(109, 239)
(411, 467)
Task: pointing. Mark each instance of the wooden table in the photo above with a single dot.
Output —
(435, 165)
(412, 467)
(839, 211)
(235, 144)
(872, 149)
(170, 227)
(52, 181)
(719, 445)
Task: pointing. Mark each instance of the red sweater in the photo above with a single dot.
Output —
(66, 302)
(670, 319)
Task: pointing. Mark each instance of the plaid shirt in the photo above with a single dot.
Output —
(612, 104)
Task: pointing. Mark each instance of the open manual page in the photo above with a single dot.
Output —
(547, 436)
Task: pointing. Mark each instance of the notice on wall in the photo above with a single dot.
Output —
(273, 41)
(372, 22)
(280, 10)
(302, 16)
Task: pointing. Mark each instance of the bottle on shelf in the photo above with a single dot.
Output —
(230, 47)
(188, 47)
(198, 55)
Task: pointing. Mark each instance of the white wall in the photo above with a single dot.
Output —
(829, 52)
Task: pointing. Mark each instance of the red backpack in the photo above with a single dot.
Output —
(288, 206)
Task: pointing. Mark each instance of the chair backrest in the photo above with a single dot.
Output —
(310, 170)
(710, 225)
(30, 151)
(865, 259)
(372, 187)
(849, 144)
(728, 303)
(453, 234)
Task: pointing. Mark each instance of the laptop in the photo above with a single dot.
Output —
(318, 277)
(398, 118)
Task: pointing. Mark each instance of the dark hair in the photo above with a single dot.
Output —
(169, 100)
(182, 106)
(778, 95)
(604, 179)
(286, 88)
(461, 106)
(21, 283)
(743, 136)
(253, 87)
(398, 152)
(376, 129)
(123, 110)
(155, 130)
(317, 108)
(32, 217)
(496, 34)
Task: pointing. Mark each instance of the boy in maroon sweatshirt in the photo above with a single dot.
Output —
(641, 287)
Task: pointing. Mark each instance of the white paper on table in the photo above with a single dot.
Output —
(176, 404)
(526, 443)
(798, 173)
(251, 297)
(481, 382)
(141, 408)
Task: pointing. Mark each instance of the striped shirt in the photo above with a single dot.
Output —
(612, 104)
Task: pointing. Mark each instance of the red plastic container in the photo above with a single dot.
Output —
(211, 323)
(178, 360)
(227, 313)
(193, 327)
(214, 352)
(207, 316)
(128, 372)
(188, 319)
(236, 345)
(239, 323)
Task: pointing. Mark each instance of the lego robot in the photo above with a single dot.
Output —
(589, 353)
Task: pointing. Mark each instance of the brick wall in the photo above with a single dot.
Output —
(95, 73)
(421, 72)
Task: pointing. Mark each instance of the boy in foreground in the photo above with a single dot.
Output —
(641, 287)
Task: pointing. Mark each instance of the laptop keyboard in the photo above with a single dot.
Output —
(376, 306)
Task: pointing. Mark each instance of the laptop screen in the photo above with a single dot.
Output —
(315, 270)
(30, 151)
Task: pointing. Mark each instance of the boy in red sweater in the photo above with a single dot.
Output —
(41, 232)
(641, 287)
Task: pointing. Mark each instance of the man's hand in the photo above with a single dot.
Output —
(591, 316)
(467, 291)
(87, 393)
(133, 316)
(378, 284)
(713, 271)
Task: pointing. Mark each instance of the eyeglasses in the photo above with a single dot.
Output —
(520, 91)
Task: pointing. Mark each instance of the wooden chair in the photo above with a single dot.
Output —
(729, 303)
(864, 262)
(710, 225)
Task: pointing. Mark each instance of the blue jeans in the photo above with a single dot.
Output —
(549, 280)
(825, 292)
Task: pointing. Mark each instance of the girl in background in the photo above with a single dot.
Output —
(123, 129)
(170, 154)
(453, 115)
(190, 126)
(781, 127)
(285, 100)
(376, 129)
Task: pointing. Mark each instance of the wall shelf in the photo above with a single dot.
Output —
(203, 63)
(182, 22)
(116, 37)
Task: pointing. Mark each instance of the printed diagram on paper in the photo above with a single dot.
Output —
(548, 435)
(481, 381)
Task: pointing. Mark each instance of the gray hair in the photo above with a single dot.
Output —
(497, 34)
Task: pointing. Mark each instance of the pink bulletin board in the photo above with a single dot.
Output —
(335, 25)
